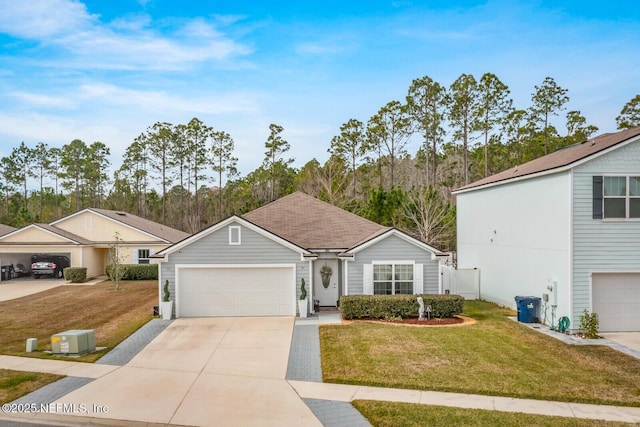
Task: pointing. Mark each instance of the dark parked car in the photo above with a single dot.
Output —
(49, 265)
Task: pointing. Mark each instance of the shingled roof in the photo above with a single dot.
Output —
(313, 224)
(162, 231)
(4, 229)
(562, 158)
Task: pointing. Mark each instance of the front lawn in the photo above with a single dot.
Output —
(14, 384)
(495, 356)
(389, 414)
(114, 315)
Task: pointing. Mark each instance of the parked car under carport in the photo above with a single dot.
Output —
(49, 265)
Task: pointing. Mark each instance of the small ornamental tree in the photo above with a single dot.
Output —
(118, 269)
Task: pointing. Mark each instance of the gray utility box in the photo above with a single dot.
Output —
(75, 342)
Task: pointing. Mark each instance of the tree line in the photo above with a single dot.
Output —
(185, 175)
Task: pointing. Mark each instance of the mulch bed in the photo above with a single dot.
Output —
(413, 321)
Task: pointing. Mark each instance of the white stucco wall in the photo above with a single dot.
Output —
(519, 236)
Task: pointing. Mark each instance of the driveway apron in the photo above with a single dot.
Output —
(201, 372)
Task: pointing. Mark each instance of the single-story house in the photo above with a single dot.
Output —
(85, 237)
(564, 228)
(254, 264)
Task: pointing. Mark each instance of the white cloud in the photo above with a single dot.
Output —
(318, 48)
(40, 100)
(42, 19)
(110, 96)
(126, 43)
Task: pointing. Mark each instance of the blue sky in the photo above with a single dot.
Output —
(106, 70)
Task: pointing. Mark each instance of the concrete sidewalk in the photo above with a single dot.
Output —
(59, 367)
(349, 393)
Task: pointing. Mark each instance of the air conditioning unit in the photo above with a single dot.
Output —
(75, 342)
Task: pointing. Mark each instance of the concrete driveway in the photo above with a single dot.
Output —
(630, 340)
(21, 287)
(202, 372)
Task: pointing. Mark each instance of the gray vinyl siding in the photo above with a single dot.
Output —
(393, 248)
(215, 249)
(601, 245)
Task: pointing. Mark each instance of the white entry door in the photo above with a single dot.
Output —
(328, 296)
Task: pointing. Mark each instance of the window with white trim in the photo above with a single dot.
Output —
(234, 235)
(391, 279)
(143, 256)
(621, 197)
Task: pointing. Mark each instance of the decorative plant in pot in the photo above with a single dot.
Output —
(303, 306)
(167, 304)
(325, 273)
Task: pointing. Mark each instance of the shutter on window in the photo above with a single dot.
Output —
(418, 279)
(597, 197)
(367, 279)
(134, 256)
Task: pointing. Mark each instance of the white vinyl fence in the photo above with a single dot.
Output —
(464, 282)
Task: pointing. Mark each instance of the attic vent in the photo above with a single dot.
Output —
(121, 213)
(515, 170)
(593, 142)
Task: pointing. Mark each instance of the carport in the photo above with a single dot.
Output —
(17, 263)
(14, 265)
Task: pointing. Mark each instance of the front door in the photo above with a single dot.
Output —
(326, 282)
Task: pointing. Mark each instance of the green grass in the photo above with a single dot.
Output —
(389, 414)
(114, 315)
(15, 384)
(495, 356)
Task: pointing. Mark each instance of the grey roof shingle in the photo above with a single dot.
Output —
(162, 231)
(4, 229)
(558, 159)
(64, 233)
(313, 224)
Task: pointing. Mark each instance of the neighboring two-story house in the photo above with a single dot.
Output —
(566, 225)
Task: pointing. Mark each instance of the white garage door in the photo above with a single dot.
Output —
(232, 291)
(616, 299)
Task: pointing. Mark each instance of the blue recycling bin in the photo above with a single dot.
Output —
(527, 309)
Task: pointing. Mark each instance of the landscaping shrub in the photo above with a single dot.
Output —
(136, 271)
(589, 324)
(75, 274)
(394, 306)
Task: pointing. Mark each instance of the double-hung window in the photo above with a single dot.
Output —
(390, 279)
(143, 256)
(621, 197)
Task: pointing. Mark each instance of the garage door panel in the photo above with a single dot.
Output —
(242, 291)
(616, 299)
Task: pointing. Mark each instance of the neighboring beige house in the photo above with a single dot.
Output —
(4, 229)
(86, 236)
